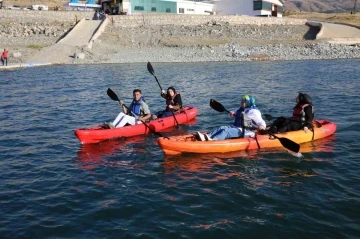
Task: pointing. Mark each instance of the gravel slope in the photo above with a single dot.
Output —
(207, 42)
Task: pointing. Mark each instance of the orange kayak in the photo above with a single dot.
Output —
(98, 133)
(189, 144)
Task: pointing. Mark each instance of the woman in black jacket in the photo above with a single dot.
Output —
(302, 118)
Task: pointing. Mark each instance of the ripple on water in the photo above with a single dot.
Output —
(127, 188)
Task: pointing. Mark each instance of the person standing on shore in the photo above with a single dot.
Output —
(4, 57)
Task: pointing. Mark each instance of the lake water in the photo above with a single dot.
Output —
(53, 187)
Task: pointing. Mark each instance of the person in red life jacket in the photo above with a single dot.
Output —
(302, 118)
(139, 112)
(4, 57)
(173, 103)
(247, 120)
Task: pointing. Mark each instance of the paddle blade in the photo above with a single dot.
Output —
(150, 68)
(217, 106)
(289, 144)
(112, 95)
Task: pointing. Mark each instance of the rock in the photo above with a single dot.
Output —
(16, 54)
(80, 55)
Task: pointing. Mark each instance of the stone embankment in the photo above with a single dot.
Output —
(24, 30)
(172, 38)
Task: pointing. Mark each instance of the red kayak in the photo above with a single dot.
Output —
(98, 133)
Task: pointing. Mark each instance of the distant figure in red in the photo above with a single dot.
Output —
(4, 57)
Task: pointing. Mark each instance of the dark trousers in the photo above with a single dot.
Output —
(163, 114)
(4, 61)
(285, 124)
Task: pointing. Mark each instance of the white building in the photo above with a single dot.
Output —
(198, 7)
(82, 5)
(193, 7)
(273, 8)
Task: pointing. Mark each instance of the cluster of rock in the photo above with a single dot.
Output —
(201, 35)
(218, 41)
(205, 41)
(23, 30)
(234, 52)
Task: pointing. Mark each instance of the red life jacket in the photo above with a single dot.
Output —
(299, 113)
(4, 54)
(170, 100)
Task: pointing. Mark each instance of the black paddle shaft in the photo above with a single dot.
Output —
(152, 72)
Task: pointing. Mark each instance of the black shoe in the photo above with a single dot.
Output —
(105, 126)
(200, 136)
(207, 137)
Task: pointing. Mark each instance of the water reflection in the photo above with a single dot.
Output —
(93, 155)
(325, 145)
(201, 163)
(247, 166)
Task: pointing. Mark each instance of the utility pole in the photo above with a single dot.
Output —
(355, 6)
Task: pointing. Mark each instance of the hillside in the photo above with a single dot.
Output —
(290, 5)
(28, 3)
(320, 5)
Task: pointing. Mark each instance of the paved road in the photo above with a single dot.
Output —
(81, 34)
(331, 30)
(74, 42)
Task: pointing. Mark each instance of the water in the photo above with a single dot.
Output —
(53, 187)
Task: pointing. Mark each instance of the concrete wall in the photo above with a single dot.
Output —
(197, 7)
(43, 16)
(191, 20)
(143, 19)
(232, 7)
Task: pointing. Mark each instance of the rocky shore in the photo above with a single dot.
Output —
(213, 41)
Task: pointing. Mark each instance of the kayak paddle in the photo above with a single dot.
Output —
(152, 72)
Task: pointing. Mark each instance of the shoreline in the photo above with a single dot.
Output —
(229, 53)
(214, 41)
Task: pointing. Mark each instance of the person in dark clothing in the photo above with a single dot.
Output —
(173, 103)
(302, 118)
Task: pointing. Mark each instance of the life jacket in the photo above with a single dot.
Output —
(136, 106)
(241, 120)
(170, 100)
(299, 113)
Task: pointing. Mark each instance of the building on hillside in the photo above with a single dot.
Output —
(157, 6)
(268, 8)
(75, 5)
